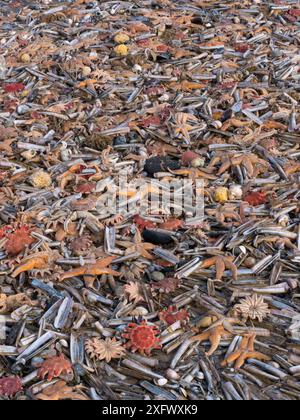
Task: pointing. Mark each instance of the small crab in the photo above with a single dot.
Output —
(142, 337)
(54, 367)
(10, 386)
(172, 315)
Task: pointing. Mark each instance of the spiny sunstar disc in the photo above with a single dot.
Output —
(142, 337)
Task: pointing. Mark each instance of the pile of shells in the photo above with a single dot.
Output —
(99, 302)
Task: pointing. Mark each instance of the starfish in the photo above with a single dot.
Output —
(222, 263)
(182, 126)
(280, 243)
(91, 271)
(220, 329)
(222, 213)
(138, 246)
(38, 261)
(245, 352)
(250, 162)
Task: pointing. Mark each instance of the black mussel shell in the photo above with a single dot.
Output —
(161, 164)
(156, 237)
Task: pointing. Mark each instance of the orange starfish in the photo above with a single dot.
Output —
(245, 352)
(91, 271)
(250, 162)
(34, 262)
(220, 329)
(222, 263)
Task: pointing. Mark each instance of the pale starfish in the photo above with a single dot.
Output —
(245, 352)
(222, 263)
(182, 126)
(223, 213)
(138, 246)
(91, 271)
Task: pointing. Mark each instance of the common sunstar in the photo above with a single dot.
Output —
(91, 271)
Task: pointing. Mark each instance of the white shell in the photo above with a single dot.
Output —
(235, 192)
(139, 311)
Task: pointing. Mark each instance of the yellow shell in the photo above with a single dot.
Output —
(207, 321)
(221, 194)
(121, 38)
(41, 179)
(121, 50)
(25, 58)
(86, 71)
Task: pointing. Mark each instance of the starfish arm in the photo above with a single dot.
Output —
(245, 343)
(224, 168)
(209, 262)
(34, 263)
(233, 216)
(77, 272)
(232, 267)
(215, 339)
(104, 262)
(99, 271)
(146, 254)
(238, 160)
(202, 174)
(232, 358)
(257, 355)
(201, 337)
(241, 361)
(220, 268)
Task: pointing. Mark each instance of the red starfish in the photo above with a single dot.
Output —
(10, 386)
(54, 367)
(18, 239)
(172, 314)
(142, 337)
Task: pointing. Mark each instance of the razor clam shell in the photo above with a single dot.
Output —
(63, 313)
(77, 349)
(31, 350)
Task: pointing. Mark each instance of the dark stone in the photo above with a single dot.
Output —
(157, 238)
(161, 164)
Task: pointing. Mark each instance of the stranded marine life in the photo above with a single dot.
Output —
(149, 200)
(10, 386)
(142, 337)
(54, 367)
(253, 307)
(107, 349)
